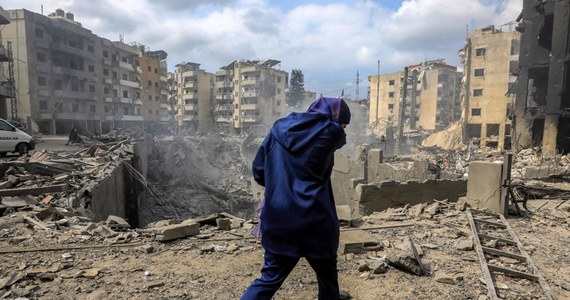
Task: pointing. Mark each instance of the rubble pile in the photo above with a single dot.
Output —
(64, 180)
(200, 175)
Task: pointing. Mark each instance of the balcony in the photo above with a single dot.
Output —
(189, 118)
(65, 48)
(164, 105)
(138, 102)
(190, 107)
(44, 92)
(165, 119)
(108, 99)
(108, 81)
(73, 116)
(221, 84)
(42, 67)
(189, 73)
(106, 62)
(190, 84)
(251, 119)
(57, 70)
(126, 100)
(190, 96)
(223, 119)
(126, 66)
(248, 82)
(132, 118)
(129, 83)
(250, 94)
(248, 69)
(109, 118)
(5, 91)
(164, 92)
(163, 78)
(250, 106)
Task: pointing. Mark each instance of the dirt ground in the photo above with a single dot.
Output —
(221, 264)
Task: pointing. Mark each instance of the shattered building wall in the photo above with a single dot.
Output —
(542, 109)
(490, 57)
(433, 103)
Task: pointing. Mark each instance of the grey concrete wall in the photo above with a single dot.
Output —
(484, 185)
(374, 197)
(109, 195)
(344, 170)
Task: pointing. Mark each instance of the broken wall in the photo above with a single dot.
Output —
(374, 197)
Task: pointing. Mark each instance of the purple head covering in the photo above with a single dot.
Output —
(334, 108)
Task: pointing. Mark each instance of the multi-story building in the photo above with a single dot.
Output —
(432, 98)
(257, 93)
(542, 111)
(67, 77)
(195, 96)
(154, 88)
(5, 63)
(490, 57)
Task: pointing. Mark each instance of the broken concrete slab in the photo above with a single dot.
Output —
(484, 185)
(176, 231)
(224, 224)
(344, 213)
(32, 190)
(403, 257)
(357, 241)
(464, 245)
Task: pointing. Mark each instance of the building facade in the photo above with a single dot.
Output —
(432, 98)
(490, 57)
(67, 77)
(254, 92)
(194, 97)
(542, 110)
(6, 63)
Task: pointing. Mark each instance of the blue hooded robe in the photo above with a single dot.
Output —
(294, 163)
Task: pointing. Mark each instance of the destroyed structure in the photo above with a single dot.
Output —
(542, 109)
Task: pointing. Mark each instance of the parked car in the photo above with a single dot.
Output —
(13, 139)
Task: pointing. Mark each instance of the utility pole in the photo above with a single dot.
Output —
(357, 91)
(400, 134)
(12, 83)
(413, 101)
(377, 94)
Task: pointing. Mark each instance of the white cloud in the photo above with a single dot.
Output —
(328, 40)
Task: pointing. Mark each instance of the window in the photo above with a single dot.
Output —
(278, 79)
(57, 85)
(476, 112)
(477, 92)
(42, 81)
(91, 88)
(125, 110)
(480, 52)
(90, 49)
(149, 83)
(106, 90)
(156, 98)
(149, 98)
(479, 72)
(155, 70)
(92, 108)
(514, 67)
(106, 72)
(41, 57)
(149, 68)
(156, 84)
(125, 77)
(114, 57)
(39, 33)
(125, 94)
(74, 86)
(515, 47)
(43, 105)
(391, 82)
(391, 94)
(74, 107)
(124, 59)
(115, 93)
(91, 68)
(106, 109)
(115, 76)
(105, 53)
(391, 107)
(156, 112)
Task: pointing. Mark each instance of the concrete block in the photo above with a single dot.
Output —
(344, 213)
(224, 224)
(538, 172)
(375, 156)
(342, 163)
(484, 185)
(177, 231)
(356, 241)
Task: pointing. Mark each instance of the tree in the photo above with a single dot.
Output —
(296, 92)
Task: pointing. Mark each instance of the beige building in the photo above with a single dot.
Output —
(490, 56)
(67, 77)
(254, 93)
(194, 97)
(432, 98)
(5, 63)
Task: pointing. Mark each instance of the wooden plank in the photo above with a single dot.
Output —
(503, 253)
(533, 269)
(39, 224)
(490, 237)
(490, 223)
(32, 190)
(513, 272)
(491, 292)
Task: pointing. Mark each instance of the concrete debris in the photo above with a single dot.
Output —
(404, 257)
(173, 232)
(464, 245)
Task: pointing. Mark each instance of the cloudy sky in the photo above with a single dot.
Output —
(328, 40)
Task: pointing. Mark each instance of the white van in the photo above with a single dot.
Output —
(13, 139)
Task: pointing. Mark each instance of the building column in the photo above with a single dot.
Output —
(53, 131)
(501, 141)
(550, 135)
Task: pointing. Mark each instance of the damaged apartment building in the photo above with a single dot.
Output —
(241, 96)
(6, 67)
(68, 77)
(431, 97)
(542, 110)
(490, 57)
